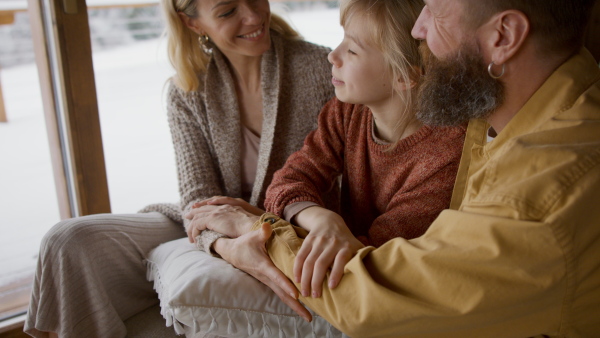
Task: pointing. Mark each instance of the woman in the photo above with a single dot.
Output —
(246, 93)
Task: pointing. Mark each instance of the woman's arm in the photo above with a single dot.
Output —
(196, 168)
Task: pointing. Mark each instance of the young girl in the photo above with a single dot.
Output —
(397, 174)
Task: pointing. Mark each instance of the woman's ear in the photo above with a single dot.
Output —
(191, 23)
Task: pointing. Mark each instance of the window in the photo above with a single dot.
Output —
(28, 202)
(55, 162)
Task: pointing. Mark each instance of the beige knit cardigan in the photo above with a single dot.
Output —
(205, 124)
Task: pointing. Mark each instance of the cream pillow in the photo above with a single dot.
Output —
(201, 295)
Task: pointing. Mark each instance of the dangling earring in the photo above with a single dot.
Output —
(496, 77)
(204, 40)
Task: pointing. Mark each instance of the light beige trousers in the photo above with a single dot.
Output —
(91, 274)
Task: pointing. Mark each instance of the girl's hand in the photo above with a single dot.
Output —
(232, 221)
(328, 244)
(222, 200)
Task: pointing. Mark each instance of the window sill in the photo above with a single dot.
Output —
(12, 324)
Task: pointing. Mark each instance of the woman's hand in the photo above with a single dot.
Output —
(232, 221)
(328, 244)
(248, 253)
(222, 200)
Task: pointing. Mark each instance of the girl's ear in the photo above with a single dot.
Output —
(415, 75)
(191, 23)
(401, 85)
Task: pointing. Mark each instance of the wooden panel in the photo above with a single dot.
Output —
(2, 107)
(15, 333)
(77, 93)
(12, 327)
(81, 108)
(7, 18)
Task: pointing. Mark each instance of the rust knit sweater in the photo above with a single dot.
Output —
(385, 194)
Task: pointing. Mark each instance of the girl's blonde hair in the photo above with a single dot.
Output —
(389, 25)
(183, 48)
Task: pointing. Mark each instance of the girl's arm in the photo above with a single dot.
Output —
(311, 171)
(308, 174)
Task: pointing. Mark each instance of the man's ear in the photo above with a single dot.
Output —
(191, 23)
(505, 34)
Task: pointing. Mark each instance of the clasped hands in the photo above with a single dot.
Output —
(328, 244)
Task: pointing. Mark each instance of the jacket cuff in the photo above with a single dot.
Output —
(270, 218)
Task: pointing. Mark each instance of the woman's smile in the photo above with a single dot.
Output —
(256, 35)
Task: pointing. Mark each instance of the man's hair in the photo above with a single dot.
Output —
(556, 24)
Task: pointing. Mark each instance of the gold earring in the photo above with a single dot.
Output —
(204, 40)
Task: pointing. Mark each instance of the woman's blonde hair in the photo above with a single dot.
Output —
(183, 48)
(389, 25)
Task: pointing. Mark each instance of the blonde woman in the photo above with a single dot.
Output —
(246, 93)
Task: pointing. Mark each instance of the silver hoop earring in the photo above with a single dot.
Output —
(203, 40)
(496, 77)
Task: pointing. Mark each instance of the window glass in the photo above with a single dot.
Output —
(28, 202)
(131, 69)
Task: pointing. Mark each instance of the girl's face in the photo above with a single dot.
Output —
(360, 73)
(236, 27)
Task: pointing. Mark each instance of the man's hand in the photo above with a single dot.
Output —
(329, 244)
(232, 221)
(248, 253)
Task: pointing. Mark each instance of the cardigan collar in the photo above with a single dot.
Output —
(224, 116)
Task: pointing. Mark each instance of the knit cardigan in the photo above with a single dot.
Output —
(206, 129)
(385, 193)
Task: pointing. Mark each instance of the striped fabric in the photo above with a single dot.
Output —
(91, 274)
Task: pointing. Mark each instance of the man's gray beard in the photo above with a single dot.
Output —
(456, 89)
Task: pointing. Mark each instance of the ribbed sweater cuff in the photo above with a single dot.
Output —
(290, 211)
(205, 241)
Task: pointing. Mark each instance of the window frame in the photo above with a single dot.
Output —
(62, 45)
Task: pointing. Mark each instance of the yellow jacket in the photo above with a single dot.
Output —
(518, 255)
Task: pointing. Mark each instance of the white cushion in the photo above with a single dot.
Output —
(201, 295)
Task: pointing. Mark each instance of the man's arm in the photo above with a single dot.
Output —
(468, 275)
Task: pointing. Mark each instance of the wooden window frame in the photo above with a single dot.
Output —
(62, 46)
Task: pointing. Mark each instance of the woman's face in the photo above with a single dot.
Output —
(236, 27)
(360, 74)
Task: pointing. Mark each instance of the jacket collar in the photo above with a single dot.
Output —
(557, 94)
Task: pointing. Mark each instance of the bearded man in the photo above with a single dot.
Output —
(518, 253)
